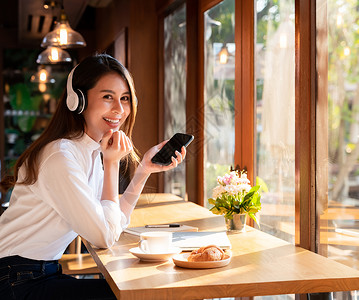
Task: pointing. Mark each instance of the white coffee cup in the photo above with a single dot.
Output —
(155, 242)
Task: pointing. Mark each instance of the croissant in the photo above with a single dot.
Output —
(207, 253)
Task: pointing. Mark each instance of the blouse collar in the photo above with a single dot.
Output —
(90, 143)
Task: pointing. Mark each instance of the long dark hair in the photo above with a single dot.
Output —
(70, 125)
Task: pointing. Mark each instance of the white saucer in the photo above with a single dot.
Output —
(181, 260)
(154, 256)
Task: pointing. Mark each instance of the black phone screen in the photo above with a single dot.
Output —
(163, 157)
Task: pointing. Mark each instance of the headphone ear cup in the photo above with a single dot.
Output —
(72, 101)
(82, 102)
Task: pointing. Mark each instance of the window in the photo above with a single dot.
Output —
(338, 222)
(175, 91)
(275, 138)
(219, 70)
(225, 61)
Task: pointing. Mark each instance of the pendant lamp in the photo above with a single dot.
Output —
(43, 75)
(63, 35)
(223, 55)
(53, 55)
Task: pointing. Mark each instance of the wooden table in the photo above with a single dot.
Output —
(261, 264)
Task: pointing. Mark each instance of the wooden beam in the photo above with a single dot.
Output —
(161, 90)
(192, 102)
(305, 123)
(244, 87)
(200, 111)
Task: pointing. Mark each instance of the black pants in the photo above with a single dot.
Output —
(23, 278)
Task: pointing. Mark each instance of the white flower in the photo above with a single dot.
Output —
(218, 191)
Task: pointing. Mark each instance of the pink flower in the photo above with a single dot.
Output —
(233, 183)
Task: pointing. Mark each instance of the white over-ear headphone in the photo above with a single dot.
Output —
(76, 100)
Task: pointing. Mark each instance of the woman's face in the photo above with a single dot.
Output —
(108, 106)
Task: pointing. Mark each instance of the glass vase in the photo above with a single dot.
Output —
(237, 224)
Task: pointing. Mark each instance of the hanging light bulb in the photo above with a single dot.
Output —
(63, 35)
(42, 87)
(53, 55)
(42, 76)
(223, 55)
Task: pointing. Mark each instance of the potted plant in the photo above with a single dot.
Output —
(234, 198)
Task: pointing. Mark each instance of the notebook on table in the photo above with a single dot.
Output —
(138, 230)
(189, 241)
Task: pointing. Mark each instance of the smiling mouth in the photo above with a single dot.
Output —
(116, 121)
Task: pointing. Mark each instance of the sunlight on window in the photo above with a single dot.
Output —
(175, 55)
(275, 67)
(218, 107)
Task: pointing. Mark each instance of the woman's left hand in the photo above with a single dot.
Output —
(150, 167)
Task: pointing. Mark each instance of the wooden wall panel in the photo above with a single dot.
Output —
(143, 63)
(161, 89)
(140, 17)
(2, 129)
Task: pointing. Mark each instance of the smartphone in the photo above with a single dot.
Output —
(163, 157)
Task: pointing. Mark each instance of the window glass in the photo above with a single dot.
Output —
(339, 218)
(175, 91)
(275, 105)
(219, 137)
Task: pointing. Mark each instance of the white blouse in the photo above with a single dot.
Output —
(43, 218)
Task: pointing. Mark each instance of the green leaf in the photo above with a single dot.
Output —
(253, 216)
(215, 210)
(251, 192)
(262, 184)
(26, 122)
(212, 201)
(19, 94)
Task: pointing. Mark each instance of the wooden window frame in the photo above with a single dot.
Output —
(305, 123)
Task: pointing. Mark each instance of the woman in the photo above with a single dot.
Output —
(64, 188)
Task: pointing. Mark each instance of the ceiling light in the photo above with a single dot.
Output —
(43, 75)
(53, 55)
(51, 3)
(63, 35)
(223, 55)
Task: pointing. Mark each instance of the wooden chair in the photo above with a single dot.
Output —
(77, 263)
(156, 198)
